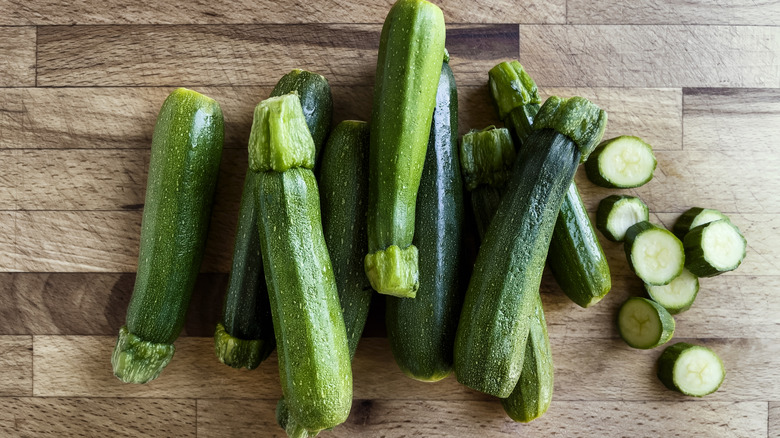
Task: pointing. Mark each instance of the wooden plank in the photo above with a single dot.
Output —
(68, 366)
(16, 355)
(242, 54)
(50, 12)
(402, 418)
(652, 56)
(17, 57)
(774, 419)
(732, 119)
(745, 12)
(117, 417)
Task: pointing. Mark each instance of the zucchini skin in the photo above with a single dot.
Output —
(575, 257)
(695, 260)
(494, 322)
(314, 366)
(185, 157)
(421, 331)
(411, 50)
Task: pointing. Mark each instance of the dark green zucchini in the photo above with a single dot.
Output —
(411, 49)
(491, 337)
(421, 331)
(186, 151)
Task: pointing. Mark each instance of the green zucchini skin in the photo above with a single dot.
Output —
(314, 365)
(316, 102)
(185, 157)
(575, 258)
(494, 323)
(421, 331)
(694, 217)
(411, 50)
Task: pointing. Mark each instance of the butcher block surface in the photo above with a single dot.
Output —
(80, 86)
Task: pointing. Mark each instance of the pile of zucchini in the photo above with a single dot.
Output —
(386, 213)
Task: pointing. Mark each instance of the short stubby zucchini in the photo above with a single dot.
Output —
(693, 217)
(691, 369)
(714, 248)
(411, 50)
(421, 331)
(185, 157)
(654, 253)
(644, 324)
(617, 213)
(621, 162)
(677, 296)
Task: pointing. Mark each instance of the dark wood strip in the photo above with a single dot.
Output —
(744, 12)
(16, 363)
(17, 57)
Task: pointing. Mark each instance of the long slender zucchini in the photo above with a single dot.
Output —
(314, 365)
(576, 258)
(186, 151)
(411, 49)
(491, 337)
(421, 331)
(244, 337)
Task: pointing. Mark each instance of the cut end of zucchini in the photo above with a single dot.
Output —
(238, 353)
(714, 248)
(280, 138)
(577, 118)
(677, 296)
(622, 162)
(617, 213)
(486, 157)
(691, 369)
(644, 324)
(394, 271)
(137, 361)
(511, 87)
(654, 253)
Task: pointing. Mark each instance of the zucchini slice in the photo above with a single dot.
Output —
(691, 369)
(677, 296)
(644, 324)
(617, 213)
(654, 253)
(622, 162)
(714, 248)
(694, 217)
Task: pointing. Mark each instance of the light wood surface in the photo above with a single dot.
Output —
(80, 86)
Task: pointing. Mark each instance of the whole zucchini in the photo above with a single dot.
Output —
(245, 337)
(411, 49)
(421, 331)
(491, 337)
(314, 365)
(186, 151)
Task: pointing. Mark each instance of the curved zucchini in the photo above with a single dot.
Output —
(314, 365)
(186, 151)
(491, 337)
(411, 49)
(421, 331)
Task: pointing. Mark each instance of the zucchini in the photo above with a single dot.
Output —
(494, 323)
(411, 49)
(244, 337)
(314, 362)
(622, 162)
(677, 296)
(421, 331)
(654, 253)
(691, 369)
(693, 217)
(186, 151)
(616, 213)
(644, 324)
(576, 259)
(714, 248)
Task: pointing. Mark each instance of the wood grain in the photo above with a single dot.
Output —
(237, 54)
(117, 417)
(17, 57)
(728, 119)
(652, 56)
(746, 12)
(16, 355)
(49, 12)
(391, 418)
(774, 419)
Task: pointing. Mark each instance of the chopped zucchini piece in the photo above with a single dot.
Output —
(621, 162)
(677, 296)
(617, 213)
(644, 324)
(694, 217)
(714, 248)
(654, 253)
(691, 369)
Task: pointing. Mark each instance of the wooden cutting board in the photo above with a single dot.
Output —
(80, 87)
